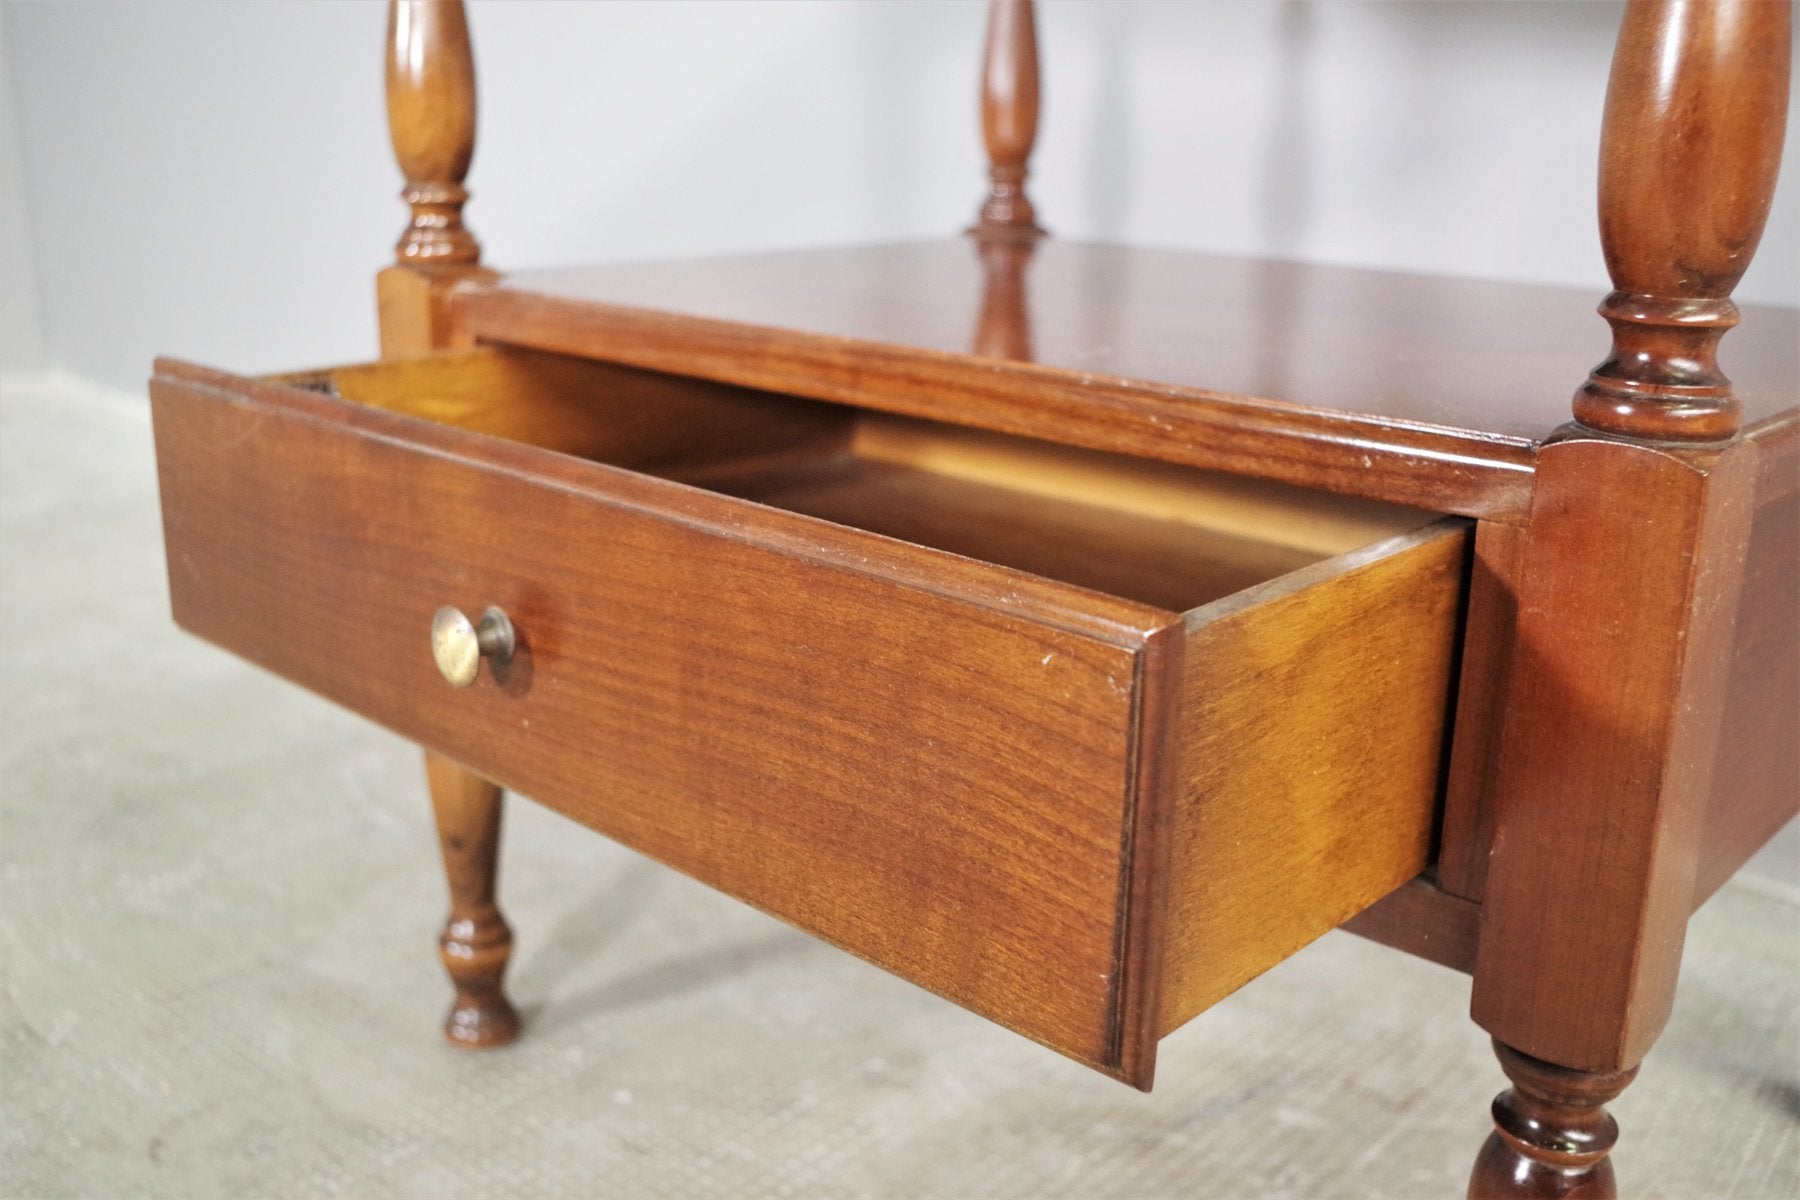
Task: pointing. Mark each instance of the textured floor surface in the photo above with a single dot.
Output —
(218, 905)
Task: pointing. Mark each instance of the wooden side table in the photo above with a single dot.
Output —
(1076, 630)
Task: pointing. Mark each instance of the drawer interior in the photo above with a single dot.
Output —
(1171, 536)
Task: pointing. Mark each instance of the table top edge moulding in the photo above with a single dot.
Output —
(1414, 388)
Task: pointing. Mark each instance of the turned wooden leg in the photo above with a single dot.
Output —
(476, 942)
(1551, 1134)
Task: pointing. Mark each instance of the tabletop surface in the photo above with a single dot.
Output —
(1492, 362)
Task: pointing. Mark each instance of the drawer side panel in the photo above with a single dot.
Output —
(935, 785)
(1314, 715)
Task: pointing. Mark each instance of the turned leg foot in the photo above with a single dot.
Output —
(1551, 1133)
(476, 942)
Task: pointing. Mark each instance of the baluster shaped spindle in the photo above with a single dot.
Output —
(1695, 112)
(476, 942)
(1551, 1135)
(431, 118)
(1009, 117)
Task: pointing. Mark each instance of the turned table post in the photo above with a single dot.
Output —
(1009, 119)
(1635, 551)
(431, 118)
(1006, 231)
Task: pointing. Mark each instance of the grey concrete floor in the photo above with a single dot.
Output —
(218, 905)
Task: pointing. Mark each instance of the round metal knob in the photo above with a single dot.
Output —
(459, 644)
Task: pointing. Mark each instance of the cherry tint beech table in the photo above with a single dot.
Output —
(1076, 630)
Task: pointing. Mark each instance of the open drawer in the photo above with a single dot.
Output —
(1080, 742)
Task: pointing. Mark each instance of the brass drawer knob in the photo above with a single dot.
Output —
(459, 644)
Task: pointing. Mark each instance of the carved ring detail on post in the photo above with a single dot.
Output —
(1551, 1133)
(1009, 118)
(1691, 144)
(431, 118)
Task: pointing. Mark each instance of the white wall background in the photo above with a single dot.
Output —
(21, 340)
(213, 180)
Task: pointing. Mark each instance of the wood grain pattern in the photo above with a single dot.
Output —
(618, 415)
(1691, 144)
(1425, 921)
(932, 772)
(476, 941)
(1165, 563)
(1614, 706)
(430, 86)
(961, 771)
(928, 694)
(1009, 118)
(1421, 390)
(412, 303)
(1100, 520)
(431, 119)
(1274, 513)
(1314, 711)
(1175, 537)
(1466, 831)
(1003, 326)
(1552, 1133)
(1756, 783)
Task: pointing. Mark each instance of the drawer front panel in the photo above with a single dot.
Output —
(939, 782)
